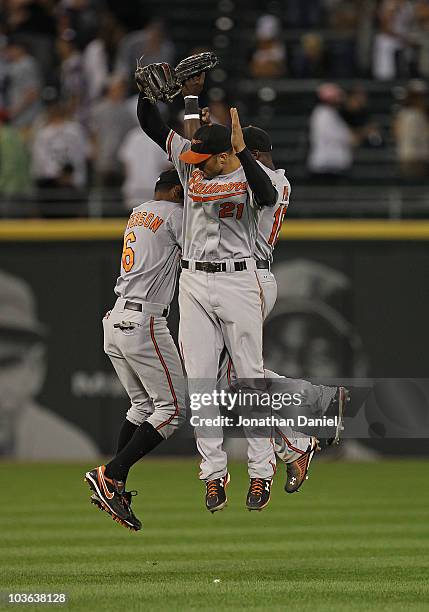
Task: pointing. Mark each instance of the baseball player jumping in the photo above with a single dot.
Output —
(219, 296)
(293, 448)
(139, 345)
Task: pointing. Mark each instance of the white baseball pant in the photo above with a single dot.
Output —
(289, 444)
(216, 310)
(148, 365)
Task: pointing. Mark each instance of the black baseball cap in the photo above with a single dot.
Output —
(208, 140)
(168, 178)
(257, 139)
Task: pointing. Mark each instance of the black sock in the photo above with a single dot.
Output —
(145, 439)
(125, 435)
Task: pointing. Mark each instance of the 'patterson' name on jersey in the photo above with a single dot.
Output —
(145, 219)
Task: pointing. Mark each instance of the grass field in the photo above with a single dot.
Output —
(355, 538)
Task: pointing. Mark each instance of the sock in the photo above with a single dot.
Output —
(125, 435)
(145, 439)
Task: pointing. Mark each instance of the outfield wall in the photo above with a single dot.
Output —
(353, 301)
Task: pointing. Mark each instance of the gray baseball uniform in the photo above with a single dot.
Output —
(289, 445)
(136, 336)
(270, 224)
(271, 219)
(220, 225)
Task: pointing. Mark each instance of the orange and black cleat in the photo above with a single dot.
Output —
(216, 498)
(109, 495)
(127, 497)
(259, 493)
(297, 470)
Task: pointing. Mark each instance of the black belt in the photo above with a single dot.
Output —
(139, 307)
(211, 266)
(263, 264)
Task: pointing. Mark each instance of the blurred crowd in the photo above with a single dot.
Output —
(68, 100)
(68, 127)
(342, 122)
(383, 39)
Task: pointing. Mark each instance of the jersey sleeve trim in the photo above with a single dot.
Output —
(169, 143)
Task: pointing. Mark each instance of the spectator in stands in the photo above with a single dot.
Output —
(391, 54)
(99, 56)
(343, 14)
(331, 140)
(344, 21)
(151, 42)
(269, 58)
(140, 178)
(15, 177)
(310, 59)
(80, 16)
(421, 38)
(72, 79)
(23, 85)
(33, 21)
(3, 75)
(411, 131)
(356, 114)
(60, 152)
(110, 121)
(365, 36)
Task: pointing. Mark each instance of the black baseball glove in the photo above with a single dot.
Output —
(157, 82)
(194, 65)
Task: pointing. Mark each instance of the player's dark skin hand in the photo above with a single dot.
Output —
(205, 116)
(194, 85)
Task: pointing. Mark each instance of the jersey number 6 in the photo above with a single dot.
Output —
(127, 252)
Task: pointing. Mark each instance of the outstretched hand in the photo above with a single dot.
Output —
(237, 138)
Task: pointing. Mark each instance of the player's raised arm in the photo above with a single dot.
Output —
(190, 75)
(151, 121)
(260, 183)
(156, 82)
(191, 89)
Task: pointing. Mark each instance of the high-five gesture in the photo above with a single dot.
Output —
(237, 139)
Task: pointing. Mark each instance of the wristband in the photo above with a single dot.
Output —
(192, 109)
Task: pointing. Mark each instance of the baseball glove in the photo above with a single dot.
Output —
(194, 65)
(157, 82)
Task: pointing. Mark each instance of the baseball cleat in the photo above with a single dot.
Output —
(110, 498)
(259, 493)
(338, 406)
(297, 470)
(216, 498)
(127, 498)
